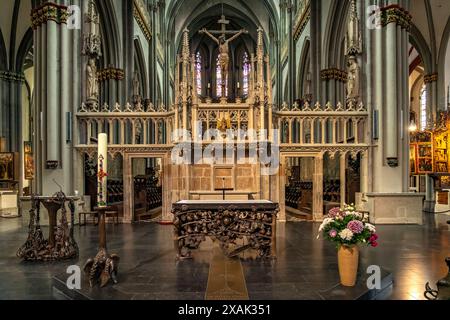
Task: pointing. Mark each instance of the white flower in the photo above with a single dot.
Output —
(325, 222)
(370, 227)
(346, 234)
(356, 214)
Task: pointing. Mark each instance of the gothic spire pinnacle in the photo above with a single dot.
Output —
(186, 50)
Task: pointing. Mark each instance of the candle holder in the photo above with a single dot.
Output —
(103, 267)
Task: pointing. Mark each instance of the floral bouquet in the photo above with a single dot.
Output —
(348, 227)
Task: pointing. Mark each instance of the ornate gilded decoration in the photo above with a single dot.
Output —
(110, 74)
(48, 11)
(429, 78)
(396, 14)
(334, 73)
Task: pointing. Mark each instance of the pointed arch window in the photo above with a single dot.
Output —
(198, 72)
(219, 79)
(245, 73)
(423, 107)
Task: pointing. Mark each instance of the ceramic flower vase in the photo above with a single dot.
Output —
(348, 258)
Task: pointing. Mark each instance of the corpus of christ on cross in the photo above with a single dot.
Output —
(223, 43)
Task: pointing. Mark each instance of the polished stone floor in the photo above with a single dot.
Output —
(413, 254)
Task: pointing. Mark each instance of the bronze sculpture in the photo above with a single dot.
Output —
(443, 287)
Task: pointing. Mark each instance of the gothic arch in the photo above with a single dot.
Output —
(418, 41)
(304, 66)
(112, 50)
(140, 67)
(24, 48)
(286, 88)
(3, 54)
(441, 64)
(335, 32)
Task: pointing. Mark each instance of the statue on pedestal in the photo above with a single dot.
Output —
(353, 79)
(92, 49)
(92, 81)
(92, 40)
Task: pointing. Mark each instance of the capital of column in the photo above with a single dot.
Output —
(429, 78)
(49, 12)
(396, 14)
(12, 76)
(334, 74)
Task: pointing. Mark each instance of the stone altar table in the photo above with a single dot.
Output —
(251, 223)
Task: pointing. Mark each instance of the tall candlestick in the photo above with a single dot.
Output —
(102, 175)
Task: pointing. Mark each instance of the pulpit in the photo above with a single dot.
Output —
(237, 225)
(60, 243)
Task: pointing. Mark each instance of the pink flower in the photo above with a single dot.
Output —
(374, 244)
(373, 238)
(333, 233)
(356, 226)
(333, 213)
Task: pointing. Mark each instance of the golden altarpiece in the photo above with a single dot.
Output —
(429, 156)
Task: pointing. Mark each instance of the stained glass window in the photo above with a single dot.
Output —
(198, 72)
(245, 73)
(423, 107)
(219, 79)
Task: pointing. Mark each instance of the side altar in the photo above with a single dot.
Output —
(237, 225)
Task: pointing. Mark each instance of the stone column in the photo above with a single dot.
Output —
(53, 90)
(318, 188)
(364, 173)
(391, 118)
(301, 140)
(342, 174)
(430, 195)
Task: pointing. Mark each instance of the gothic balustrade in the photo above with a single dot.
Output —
(126, 127)
(321, 125)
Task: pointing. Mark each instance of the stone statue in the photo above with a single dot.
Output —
(353, 78)
(92, 81)
(92, 40)
(353, 42)
(93, 19)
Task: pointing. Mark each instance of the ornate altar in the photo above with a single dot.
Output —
(60, 244)
(237, 225)
(421, 150)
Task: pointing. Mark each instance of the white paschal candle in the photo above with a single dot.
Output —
(102, 178)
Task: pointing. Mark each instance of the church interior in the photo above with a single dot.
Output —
(224, 150)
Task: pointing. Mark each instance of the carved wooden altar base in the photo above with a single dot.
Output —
(60, 244)
(237, 225)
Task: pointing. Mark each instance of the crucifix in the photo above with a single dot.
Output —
(223, 43)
